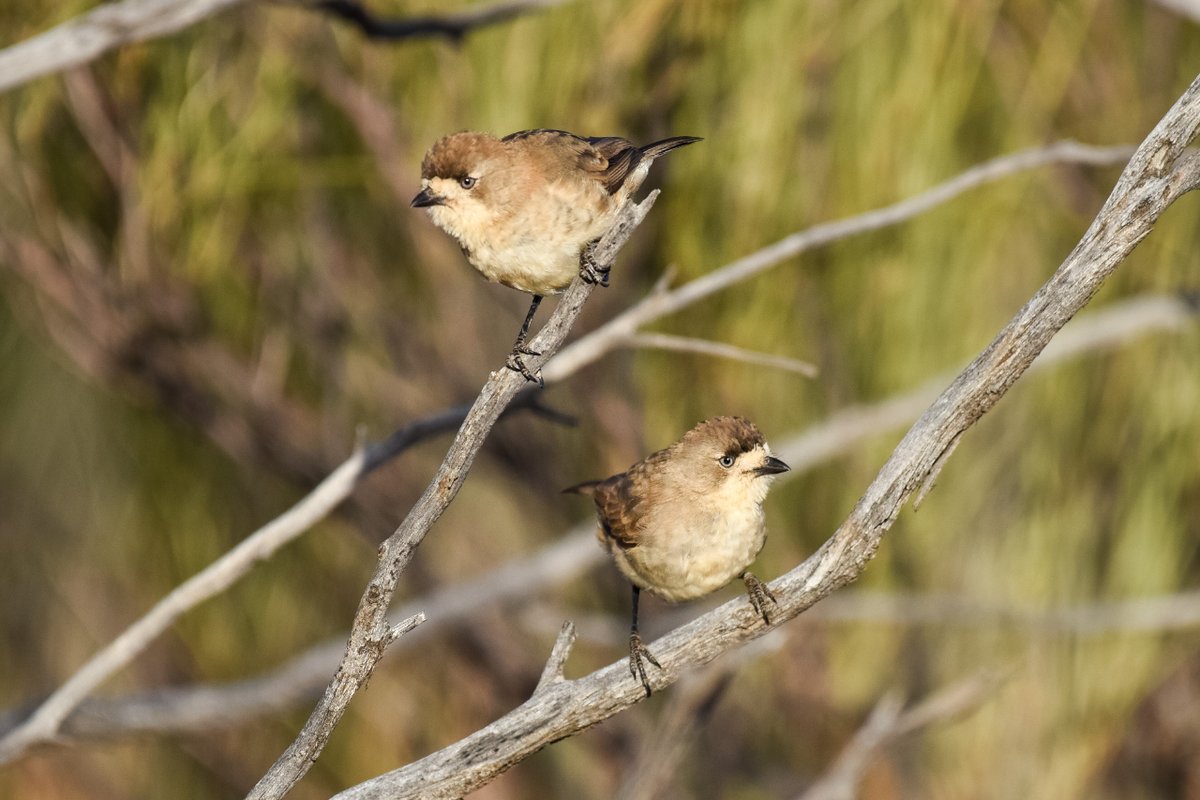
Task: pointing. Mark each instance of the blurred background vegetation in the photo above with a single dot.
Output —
(213, 280)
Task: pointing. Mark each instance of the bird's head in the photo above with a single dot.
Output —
(455, 186)
(728, 459)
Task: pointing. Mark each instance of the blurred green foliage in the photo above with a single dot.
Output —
(241, 188)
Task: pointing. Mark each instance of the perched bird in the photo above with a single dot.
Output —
(688, 519)
(525, 208)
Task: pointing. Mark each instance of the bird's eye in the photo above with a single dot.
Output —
(725, 461)
(467, 182)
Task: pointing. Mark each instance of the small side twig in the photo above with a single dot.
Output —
(553, 671)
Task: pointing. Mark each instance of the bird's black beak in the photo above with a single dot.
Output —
(772, 466)
(426, 198)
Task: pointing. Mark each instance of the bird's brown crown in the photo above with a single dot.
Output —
(736, 435)
(455, 156)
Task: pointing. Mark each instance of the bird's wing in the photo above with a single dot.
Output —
(617, 507)
(618, 157)
(606, 159)
(620, 499)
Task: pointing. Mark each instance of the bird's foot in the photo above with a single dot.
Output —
(591, 272)
(760, 595)
(516, 362)
(638, 655)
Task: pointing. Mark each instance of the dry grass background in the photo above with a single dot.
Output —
(248, 180)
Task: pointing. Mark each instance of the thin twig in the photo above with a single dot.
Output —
(686, 344)
(1160, 171)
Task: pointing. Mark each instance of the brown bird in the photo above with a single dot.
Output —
(525, 208)
(688, 519)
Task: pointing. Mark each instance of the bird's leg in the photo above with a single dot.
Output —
(638, 651)
(759, 595)
(516, 361)
(591, 272)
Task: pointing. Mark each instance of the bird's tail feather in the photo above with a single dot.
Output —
(656, 149)
(587, 487)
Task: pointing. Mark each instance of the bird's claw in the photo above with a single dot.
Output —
(591, 272)
(516, 362)
(760, 595)
(638, 654)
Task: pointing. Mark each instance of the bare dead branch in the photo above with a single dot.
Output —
(1160, 171)
(686, 344)
(452, 26)
(362, 650)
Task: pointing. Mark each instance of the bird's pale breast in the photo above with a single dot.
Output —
(685, 555)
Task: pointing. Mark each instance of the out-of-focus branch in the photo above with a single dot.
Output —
(887, 722)
(1143, 615)
(1160, 171)
(365, 646)
(88, 36)
(685, 344)
(452, 26)
(1189, 9)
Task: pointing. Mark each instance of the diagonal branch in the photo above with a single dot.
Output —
(1160, 171)
(364, 649)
